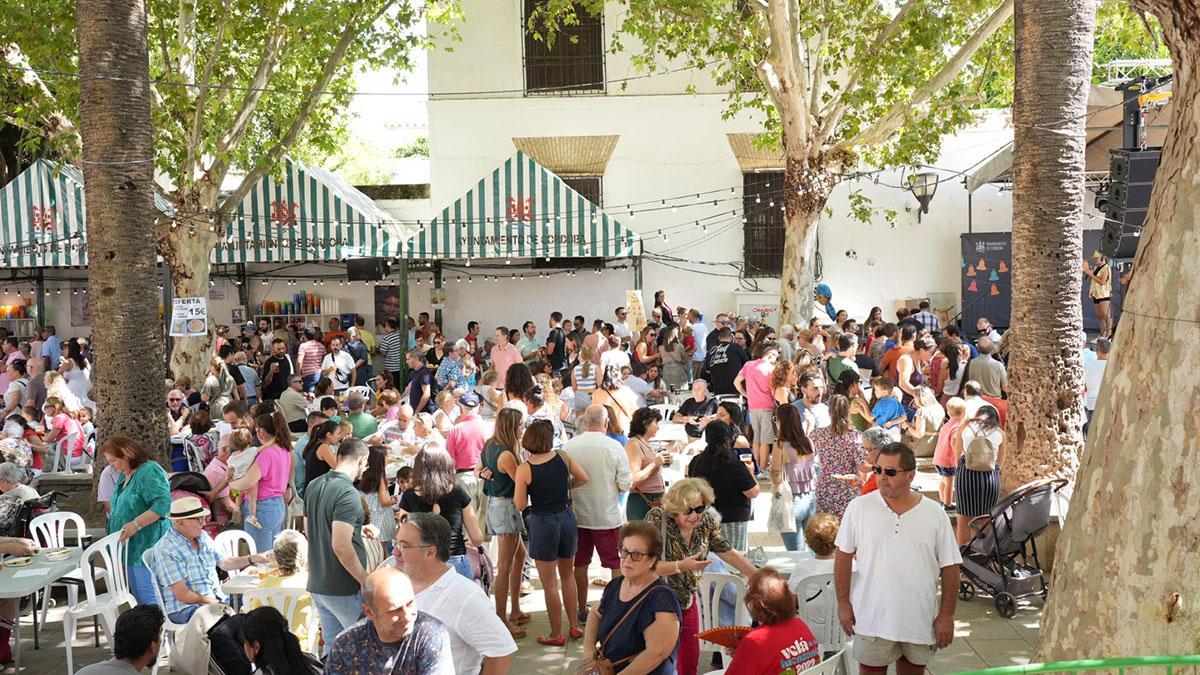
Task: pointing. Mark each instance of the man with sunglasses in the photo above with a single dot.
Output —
(904, 547)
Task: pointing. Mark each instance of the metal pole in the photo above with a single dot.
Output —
(637, 267)
(243, 289)
(402, 282)
(40, 294)
(437, 285)
(970, 212)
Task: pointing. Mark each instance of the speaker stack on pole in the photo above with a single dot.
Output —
(1131, 178)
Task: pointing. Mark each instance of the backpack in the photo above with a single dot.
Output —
(981, 453)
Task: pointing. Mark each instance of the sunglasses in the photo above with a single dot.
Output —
(174, 400)
(888, 471)
(696, 510)
(635, 556)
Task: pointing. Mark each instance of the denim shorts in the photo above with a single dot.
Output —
(553, 536)
(945, 471)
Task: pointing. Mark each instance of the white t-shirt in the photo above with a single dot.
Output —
(470, 617)
(900, 558)
(345, 366)
(607, 467)
(1093, 375)
(612, 357)
(639, 387)
(621, 329)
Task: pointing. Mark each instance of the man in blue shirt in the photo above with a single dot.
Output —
(185, 562)
(51, 347)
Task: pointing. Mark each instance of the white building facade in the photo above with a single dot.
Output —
(657, 158)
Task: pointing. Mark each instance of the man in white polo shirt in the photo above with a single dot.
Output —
(905, 549)
(478, 638)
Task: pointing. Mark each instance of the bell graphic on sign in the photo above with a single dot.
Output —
(973, 287)
(995, 291)
(982, 264)
(994, 276)
(971, 271)
(1003, 267)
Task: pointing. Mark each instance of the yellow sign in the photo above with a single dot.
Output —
(1153, 98)
(636, 311)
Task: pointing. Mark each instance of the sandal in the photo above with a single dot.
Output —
(517, 632)
(557, 641)
(519, 619)
(600, 583)
(575, 633)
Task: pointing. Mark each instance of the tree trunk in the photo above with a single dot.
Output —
(187, 250)
(117, 151)
(804, 195)
(1126, 577)
(1053, 79)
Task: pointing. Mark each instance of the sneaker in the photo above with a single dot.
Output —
(253, 522)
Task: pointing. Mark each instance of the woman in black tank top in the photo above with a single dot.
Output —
(544, 483)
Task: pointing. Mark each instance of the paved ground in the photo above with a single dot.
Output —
(982, 638)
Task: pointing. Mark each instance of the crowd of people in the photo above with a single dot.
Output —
(377, 487)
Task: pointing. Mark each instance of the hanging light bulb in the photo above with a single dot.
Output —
(470, 280)
(468, 262)
(264, 282)
(758, 200)
(58, 291)
(508, 261)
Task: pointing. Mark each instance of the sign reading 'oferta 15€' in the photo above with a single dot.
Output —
(189, 317)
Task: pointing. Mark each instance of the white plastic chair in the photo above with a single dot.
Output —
(49, 531)
(62, 450)
(169, 626)
(106, 606)
(821, 612)
(288, 602)
(666, 410)
(709, 591)
(837, 664)
(375, 554)
(227, 543)
(362, 390)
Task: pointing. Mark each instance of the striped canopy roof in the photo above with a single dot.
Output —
(42, 217)
(521, 210)
(308, 214)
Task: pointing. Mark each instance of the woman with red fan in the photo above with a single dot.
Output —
(781, 643)
(636, 625)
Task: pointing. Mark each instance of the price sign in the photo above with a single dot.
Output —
(189, 317)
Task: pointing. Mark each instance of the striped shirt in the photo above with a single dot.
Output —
(391, 349)
(309, 355)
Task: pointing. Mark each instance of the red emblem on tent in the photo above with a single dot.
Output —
(43, 218)
(520, 210)
(284, 213)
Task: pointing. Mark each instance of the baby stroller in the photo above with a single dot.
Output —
(998, 557)
(195, 484)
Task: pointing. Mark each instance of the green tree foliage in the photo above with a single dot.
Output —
(418, 148)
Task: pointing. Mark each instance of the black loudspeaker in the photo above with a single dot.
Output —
(367, 269)
(1131, 180)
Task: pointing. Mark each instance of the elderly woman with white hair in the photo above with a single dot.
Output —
(179, 415)
(12, 482)
(470, 371)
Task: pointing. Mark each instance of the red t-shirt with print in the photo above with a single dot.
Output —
(778, 649)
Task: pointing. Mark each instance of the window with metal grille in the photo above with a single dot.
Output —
(591, 187)
(763, 233)
(576, 61)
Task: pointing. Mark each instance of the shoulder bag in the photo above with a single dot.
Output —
(602, 665)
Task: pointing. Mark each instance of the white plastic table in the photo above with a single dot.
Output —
(237, 584)
(18, 582)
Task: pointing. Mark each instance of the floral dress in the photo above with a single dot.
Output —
(836, 454)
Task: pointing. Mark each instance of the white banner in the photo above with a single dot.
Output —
(189, 317)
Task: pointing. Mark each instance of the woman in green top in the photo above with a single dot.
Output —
(140, 502)
(860, 409)
(497, 466)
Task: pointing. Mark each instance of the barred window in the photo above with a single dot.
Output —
(591, 187)
(576, 61)
(762, 206)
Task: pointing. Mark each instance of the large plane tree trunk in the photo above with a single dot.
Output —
(1053, 79)
(118, 148)
(1126, 578)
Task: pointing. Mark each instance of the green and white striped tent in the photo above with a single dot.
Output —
(521, 210)
(308, 214)
(42, 217)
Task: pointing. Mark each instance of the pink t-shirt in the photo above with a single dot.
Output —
(67, 425)
(465, 441)
(215, 472)
(757, 375)
(943, 453)
(275, 463)
(310, 355)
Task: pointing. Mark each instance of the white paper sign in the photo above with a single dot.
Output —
(189, 317)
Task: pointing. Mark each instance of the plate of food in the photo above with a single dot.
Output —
(196, 325)
(19, 561)
(57, 553)
(726, 636)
